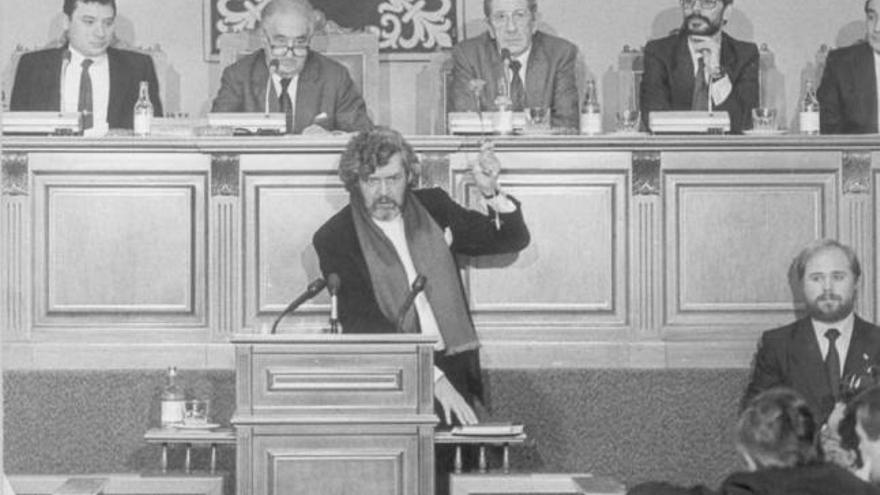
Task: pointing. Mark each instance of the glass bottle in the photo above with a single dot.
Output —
(591, 112)
(172, 400)
(809, 116)
(143, 111)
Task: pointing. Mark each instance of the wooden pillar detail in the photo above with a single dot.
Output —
(435, 171)
(647, 244)
(225, 245)
(856, 225)
(15, 238)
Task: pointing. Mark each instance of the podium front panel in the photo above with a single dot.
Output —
(367, 463)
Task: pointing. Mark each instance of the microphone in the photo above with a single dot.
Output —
(418, 286)
(311, 291)
(333, 288)
(273, 69)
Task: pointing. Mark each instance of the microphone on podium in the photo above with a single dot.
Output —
(418, 285)
(333, 288)
(311, 291)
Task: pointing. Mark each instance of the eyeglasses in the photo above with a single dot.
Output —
(298, 47)
(375, 183)
(704, 4)
(519, 17)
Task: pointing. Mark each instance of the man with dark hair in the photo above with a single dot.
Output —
(848, 91)
(390, 232)
(815, 354)
(537, 68)
(315, 92)
(776, 435)
(87, 75)
(860, 432)
(701, 66)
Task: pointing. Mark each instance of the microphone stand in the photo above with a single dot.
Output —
(311, 291)
(333, 288)
(417, 286)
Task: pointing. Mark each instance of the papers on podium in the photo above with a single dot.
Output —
(689, 122)
(488, 430)
(63, 123)
(472, 123)
(255, 123)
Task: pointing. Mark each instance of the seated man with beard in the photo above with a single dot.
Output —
(702, 64)
(813, 354)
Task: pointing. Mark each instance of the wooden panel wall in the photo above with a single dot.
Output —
(646, 253)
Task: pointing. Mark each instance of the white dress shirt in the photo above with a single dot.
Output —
(720, 89)
(99, 72)
(845, 327)
(523, 59)
(427, 321)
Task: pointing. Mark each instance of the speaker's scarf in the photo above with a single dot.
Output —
(431, 258)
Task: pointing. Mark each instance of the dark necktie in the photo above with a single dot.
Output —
(700, 100)
(517, 90)
(85, 95)
(286, 105)
(832, 362)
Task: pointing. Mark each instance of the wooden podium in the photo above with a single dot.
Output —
(329, 414)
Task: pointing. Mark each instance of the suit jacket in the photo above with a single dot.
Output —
(790, 356)
(848, 91)
(324, 86)
(549, 81)
(668, 80)
(473, 234)
(37, 84)
(814, 479)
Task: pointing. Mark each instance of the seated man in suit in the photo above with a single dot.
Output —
(316, 93)
(848, 91)
(538, 68)
(700, 65)
(87, 75)
(814, 354)
(860, 431)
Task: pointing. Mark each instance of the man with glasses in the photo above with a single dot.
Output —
(701, 67)
(849, 88)
(315, 93)
(535, 68)
(391, 232)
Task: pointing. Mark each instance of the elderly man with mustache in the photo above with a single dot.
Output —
(815, 353)
(699, 65)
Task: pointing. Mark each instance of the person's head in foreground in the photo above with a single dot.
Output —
(777, 430)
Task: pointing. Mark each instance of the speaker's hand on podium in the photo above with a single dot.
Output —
(453, 403)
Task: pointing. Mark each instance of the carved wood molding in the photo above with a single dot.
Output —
(225, 174)
(856, 172)
(15, 174)
(646, 173)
